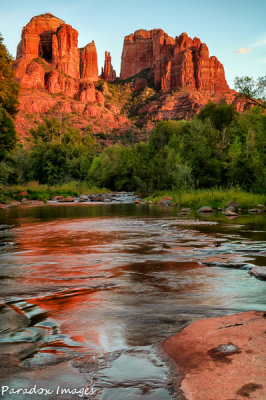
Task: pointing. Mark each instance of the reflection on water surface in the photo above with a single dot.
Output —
(100, 285)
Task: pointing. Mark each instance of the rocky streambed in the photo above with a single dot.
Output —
(89, 295)
(112, 197)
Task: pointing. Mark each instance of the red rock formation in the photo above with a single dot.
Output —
(87, 92)
(49, 63)
(49, 58)
(100, 98)
(65, 54)
(56, 42)
(137, 53)
(220, 358)
(88, 62)
(186, 103)
(173, 63)
(33, 77)
(59, 83)
(108, 73)
(36, 37)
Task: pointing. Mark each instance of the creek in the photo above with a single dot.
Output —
(101, 285)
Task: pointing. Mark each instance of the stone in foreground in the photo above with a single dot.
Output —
(258, 272)
(221, 358)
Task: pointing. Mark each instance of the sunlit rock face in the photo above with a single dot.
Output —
(172, 63)
(88, 62)
(36, 37)
(48, 37)
(65, 54)
(57, 77)
(108, 73)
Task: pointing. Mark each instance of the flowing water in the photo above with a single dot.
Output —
(101, 285)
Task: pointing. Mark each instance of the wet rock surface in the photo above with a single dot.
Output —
(258, 272)
(221, 358)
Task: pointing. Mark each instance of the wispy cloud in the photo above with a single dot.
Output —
(261, 41)
(243, 50)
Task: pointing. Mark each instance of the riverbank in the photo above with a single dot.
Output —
(213, 197)
(217, 199)
(35, 191)
(220, 358)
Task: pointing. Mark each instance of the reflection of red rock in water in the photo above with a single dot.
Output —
(71, 287)
(67, 308)
(223, 358)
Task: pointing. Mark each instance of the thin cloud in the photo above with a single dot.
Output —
(243, 50)
(261, 41)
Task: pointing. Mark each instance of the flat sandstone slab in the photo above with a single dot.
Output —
(221, 358)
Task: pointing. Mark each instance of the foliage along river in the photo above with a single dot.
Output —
(102, 284)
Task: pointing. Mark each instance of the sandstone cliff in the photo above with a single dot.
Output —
(172, 63)
(58, 78)
(88, 62)
(50, 38)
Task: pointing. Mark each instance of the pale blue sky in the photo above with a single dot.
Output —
(225, 26)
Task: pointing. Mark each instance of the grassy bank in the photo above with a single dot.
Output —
(193, 199)
(211, 197)
(45, 192)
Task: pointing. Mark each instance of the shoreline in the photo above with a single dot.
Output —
(221, 358)
(232, 202)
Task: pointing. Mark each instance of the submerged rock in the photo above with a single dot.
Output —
(258, 272)
(10, 319)
(185, 211)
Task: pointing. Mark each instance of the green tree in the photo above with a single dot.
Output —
(246, 156)
(113, 168)
(163, 131)
(9, 89)
(251, 89)
(7, 133)
(220, 115)
(61, 152)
